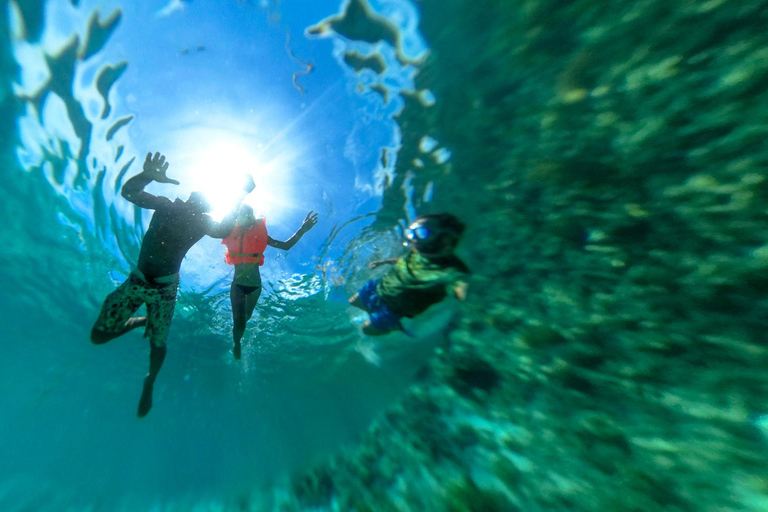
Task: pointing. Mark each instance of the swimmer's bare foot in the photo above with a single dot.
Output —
(145, 403)
(99, 337)
(236, 350)
(136, 321)
(355, 301)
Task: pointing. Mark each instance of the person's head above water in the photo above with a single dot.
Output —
(245, 216)
(198, 200)
(437, 234)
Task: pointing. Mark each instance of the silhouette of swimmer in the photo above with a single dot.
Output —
(175, 227)
(245, 250)
(417, 280)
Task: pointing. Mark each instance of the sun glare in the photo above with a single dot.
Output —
(220, 172)
(218, 168)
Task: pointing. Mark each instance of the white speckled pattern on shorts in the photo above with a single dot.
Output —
(129, 296)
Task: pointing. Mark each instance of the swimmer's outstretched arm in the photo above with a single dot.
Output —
(154, 170)
(309, 222)
(224, 228)
(388, 261)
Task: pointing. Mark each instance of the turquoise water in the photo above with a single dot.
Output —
(220, 429)
(608, 159)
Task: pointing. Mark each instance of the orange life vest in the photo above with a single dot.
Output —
(247, 246)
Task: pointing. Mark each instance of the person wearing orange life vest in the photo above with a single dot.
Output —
(245, 250)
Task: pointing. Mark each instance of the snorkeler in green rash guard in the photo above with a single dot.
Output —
(175, 227)
(417, 280)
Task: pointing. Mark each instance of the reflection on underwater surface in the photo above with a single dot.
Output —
(608, 161)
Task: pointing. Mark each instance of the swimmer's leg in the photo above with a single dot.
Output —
(156, 358)
(115, 317)
(160, 306)
(370, 330)
(246, 305)
(356, 302)
(383, 321)
(366, 298)
(250, 302)
(238, 300)
(99, 337)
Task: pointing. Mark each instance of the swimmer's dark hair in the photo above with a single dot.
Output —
(198, 198)
(445, 222)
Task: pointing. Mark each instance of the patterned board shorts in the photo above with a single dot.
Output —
(129, 296)
(382, 318)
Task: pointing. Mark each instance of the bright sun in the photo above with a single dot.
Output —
(218, 166)
(219, 173)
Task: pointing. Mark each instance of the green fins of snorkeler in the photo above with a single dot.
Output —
(417, 280)
(175, 227)
(245, 250)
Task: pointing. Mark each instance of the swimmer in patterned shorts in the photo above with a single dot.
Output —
(175, 227)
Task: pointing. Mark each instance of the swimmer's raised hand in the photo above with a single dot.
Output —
(156, 167)
(309, 221)
(249, 184)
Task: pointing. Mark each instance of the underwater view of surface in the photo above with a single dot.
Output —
(608, 160)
